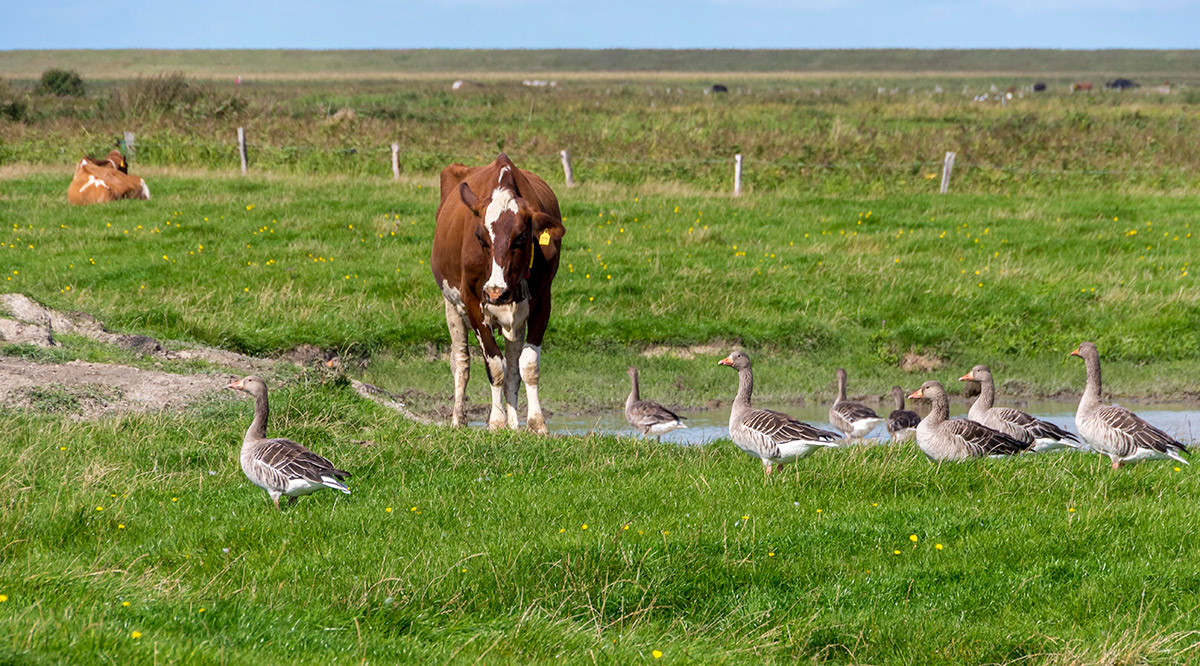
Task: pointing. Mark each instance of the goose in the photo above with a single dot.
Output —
(902, 423)
(854, 419)
(1042, 435)
(942, 438)
(773, 437)
(281, 467)
(650, 418)
(1113, 430)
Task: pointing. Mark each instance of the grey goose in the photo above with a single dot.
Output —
(1113, 430)
(854, 419)
(281, 467)
(650, 418)
(942, 438)
(1042, 435)
(773, 437)
(902, 423)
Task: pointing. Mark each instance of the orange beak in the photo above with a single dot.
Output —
(725, 361)
(915, 395)
(967, 378)
(1075, 353)
(236, 385)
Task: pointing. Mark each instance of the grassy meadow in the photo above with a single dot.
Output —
(136, 537)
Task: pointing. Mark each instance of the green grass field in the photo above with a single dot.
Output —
(136, 538)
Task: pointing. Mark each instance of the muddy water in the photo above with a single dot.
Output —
(1180, 420)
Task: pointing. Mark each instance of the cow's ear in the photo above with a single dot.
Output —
(548, 228)
(468, 198)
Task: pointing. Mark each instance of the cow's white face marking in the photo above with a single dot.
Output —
(502, 200)
(92, 180)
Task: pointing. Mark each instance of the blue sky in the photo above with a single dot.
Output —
(312, 24)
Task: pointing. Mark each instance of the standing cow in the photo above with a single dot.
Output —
(495, 253)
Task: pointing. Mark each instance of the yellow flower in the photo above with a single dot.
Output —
(413, 509)
(3, 598)
(938, 546)
(389, 509)
(1071, 510)
(745, 517)
(895, 552)
(657, 654)
(121, 527)
(585, 526)
(201, 610)
(912, 538)
(770, 554)
(99, 508)
(174, 499)
(626, 528)
(136, 634)
(125, 604)
(562, 530)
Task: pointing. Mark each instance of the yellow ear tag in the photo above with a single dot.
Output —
(531, 255)
(544, 239)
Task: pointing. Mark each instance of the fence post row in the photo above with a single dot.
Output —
(395, 161)
(129, 146)
(568, 173)
(242, 147)
(737, 175)
(947, 167)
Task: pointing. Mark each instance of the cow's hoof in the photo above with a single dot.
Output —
(497, 424)
(537, 425)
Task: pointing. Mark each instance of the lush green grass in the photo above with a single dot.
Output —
(261, 265)
(513, 548)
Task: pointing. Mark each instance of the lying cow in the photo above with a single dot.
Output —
(495, 253)
(99, 184)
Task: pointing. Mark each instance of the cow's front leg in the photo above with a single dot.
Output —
(531, 361)
(493, 363)
(460, 361)
(512, 378)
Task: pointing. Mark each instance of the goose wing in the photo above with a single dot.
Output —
(1036, 427)
(980, 440)
(1133, 432)
(854, 411)
(280, 461)
(901, 419)
(781, 428)
(644, 414)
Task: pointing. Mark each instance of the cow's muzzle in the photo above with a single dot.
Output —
(497, 295)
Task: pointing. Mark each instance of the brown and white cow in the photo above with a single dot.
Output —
(495, 253)
(98, 184)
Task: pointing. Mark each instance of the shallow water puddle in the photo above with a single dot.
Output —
(1180, 420)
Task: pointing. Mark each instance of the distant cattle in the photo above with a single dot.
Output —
(99, 184)
(1085, 86)
(1040, 86)
(114, 160)
(495, 252)
(719, 88)
(1122, 84)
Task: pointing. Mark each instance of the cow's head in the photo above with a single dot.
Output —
(509, 232)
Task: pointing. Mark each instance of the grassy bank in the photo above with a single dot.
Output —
(894, 288)
(135, 538)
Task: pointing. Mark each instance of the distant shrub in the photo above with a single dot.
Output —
(13, 106)
(62, 82)
(173, 93)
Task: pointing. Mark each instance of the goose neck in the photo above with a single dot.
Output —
(258, 427)
(1093, 390)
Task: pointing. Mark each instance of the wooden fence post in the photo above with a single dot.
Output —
(568, 173)
(737, 175)
(242, 147)
(129, 146)
(395, 161)
(947, 167)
